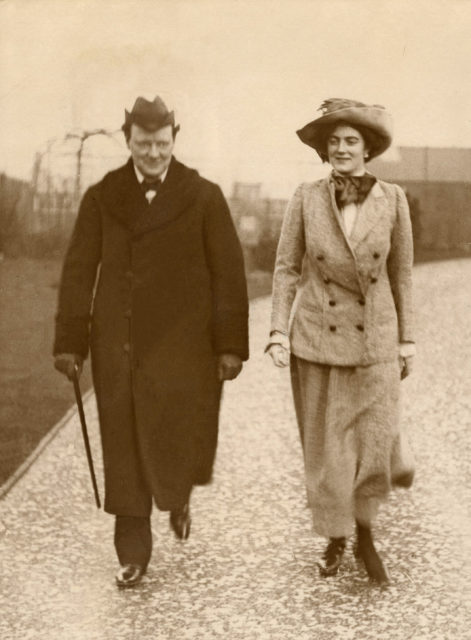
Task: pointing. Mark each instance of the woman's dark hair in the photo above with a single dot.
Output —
(370, 139)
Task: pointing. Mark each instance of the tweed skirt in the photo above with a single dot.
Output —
(354, 450)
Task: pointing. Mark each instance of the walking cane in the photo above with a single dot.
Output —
(78, 397)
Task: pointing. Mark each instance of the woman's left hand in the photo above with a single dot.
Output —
(279, 355)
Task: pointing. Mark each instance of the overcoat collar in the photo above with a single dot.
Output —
(125, 199)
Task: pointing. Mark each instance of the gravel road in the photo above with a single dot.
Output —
(248, 570)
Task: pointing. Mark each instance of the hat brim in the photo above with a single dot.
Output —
(377, 120)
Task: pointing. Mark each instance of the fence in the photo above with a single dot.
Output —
(37, 217)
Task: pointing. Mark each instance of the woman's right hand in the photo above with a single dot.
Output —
(279, 355)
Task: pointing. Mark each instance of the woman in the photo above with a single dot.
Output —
(345, 252)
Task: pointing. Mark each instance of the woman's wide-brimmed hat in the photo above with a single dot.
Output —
(373, 118)
(149, 115)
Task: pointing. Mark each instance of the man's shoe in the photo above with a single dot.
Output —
(332, 557)
(129, 575)
(180, 522)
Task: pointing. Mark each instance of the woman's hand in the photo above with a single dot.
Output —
(279, 355)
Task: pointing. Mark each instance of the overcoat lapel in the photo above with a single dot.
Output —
(178, 192)
(123, 196)
(125, 199)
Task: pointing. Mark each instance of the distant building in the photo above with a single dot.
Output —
(258, 221)
(438, 184)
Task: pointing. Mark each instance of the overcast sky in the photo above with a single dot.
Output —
(242, 76)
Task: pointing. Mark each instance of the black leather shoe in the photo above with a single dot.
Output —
(129, 575)
(332, 557)
(180, 522)
(365, 550)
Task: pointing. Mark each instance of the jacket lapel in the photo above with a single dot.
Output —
(373, 209)
(337, 215)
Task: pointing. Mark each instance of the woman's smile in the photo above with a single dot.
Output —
(346, 150)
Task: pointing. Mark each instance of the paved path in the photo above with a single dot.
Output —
(248, 570)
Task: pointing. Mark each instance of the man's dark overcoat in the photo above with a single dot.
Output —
(157, 291)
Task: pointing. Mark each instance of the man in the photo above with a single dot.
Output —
(154, 282)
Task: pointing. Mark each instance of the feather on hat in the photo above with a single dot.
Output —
(374, 117)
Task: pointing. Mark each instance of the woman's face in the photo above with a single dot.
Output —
(346, 151)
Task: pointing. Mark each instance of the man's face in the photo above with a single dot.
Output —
(151, 151)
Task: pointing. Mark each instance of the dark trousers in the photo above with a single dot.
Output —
(133, 539)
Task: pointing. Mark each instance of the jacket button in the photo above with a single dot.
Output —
(376, 255)
(127, 347)
(320, 257)
(332, 303)
(127, 313)
(333, 327)
(360, 327)
(373, 280)
(362, 302)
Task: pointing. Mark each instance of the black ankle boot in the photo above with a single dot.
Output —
(332, 557)
(364, 549)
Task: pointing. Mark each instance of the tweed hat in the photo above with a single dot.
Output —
(373, 118)
(149, 115)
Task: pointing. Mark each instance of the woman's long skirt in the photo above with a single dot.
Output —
(354, 451)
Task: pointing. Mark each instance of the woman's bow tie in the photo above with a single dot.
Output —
(350, 189)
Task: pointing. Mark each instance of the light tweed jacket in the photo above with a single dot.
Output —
(353, 304)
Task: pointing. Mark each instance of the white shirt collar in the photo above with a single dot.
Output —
(140, 177)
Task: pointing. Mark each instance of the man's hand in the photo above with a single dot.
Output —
(66, 362)
(406, 366)
(229, 366)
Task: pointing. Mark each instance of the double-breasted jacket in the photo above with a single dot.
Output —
(348, 297)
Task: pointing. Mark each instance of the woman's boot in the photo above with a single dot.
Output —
(364, 549)
(332, 557)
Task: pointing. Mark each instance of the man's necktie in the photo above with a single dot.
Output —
(150, 189)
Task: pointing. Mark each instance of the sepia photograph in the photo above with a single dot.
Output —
(235, 327)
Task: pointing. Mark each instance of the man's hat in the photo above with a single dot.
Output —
(374, 117)
(149, 115)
